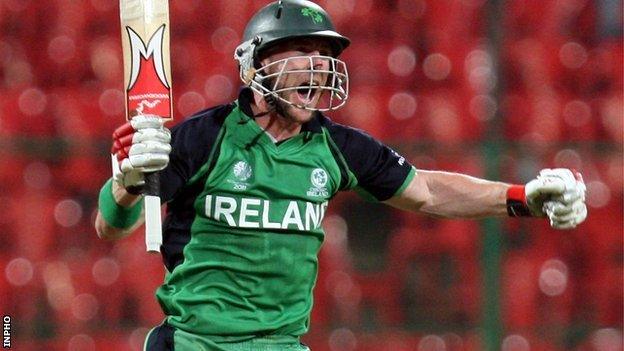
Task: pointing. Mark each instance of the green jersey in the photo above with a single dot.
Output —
(243, 225)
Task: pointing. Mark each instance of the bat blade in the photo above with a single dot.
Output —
(147, 82)
(146, 56)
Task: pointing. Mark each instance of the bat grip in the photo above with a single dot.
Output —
(153, 222)
(152, 184)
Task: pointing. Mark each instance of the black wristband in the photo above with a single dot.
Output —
(135, 190)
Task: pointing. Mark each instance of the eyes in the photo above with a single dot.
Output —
(323, 51)
(298, 47)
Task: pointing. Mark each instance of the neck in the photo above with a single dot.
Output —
(278, 126)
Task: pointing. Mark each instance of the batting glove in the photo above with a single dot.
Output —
(567, 210)
(139, 146)
(558, 194)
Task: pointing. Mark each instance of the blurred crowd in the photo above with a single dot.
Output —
(439, 80)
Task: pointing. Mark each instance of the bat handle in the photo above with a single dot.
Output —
(153, 222)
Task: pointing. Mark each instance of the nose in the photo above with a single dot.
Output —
(317, 61)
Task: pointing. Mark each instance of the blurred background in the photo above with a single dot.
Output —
(496, 89)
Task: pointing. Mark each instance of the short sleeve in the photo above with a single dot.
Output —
(191, 144)
(380, 171)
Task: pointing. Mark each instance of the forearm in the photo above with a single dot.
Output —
(112, 231)
(453, 195)
(460, 196)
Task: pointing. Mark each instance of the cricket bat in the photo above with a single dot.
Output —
(147, 81)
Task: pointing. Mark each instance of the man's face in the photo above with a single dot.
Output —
(307, 49)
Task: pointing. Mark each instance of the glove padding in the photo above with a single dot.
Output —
(558, 194)
(140, 146)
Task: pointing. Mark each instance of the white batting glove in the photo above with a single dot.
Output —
(139, 146)
(567, 210)
(558, 194)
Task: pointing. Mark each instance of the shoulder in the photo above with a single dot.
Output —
(192, 141)
(206, 119)
(201, 127)
(345, 136)
(380, 171)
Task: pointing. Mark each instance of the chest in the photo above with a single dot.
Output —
(300, 169)
(268, 186)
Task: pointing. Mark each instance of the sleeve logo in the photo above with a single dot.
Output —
(401, 159)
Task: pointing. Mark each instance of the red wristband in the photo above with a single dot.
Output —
(516, 202)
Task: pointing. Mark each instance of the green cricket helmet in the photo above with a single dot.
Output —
(287, 20)
(284, 20)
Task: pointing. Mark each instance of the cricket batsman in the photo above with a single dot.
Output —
(247, 184)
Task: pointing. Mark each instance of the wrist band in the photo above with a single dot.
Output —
(115, 214)
(516, 202)
(135, 190)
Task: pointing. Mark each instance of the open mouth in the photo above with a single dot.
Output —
(307, 93)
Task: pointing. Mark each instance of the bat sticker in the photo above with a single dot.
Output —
(148, 90)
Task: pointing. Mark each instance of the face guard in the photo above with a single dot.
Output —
(330, 84)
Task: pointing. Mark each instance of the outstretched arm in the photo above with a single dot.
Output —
(452, 195)
(558, 194)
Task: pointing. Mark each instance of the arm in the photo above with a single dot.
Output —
(558, 194)
(452, 195)
(144, 146)
(126, 200)
(139, 146)
(386, 176)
